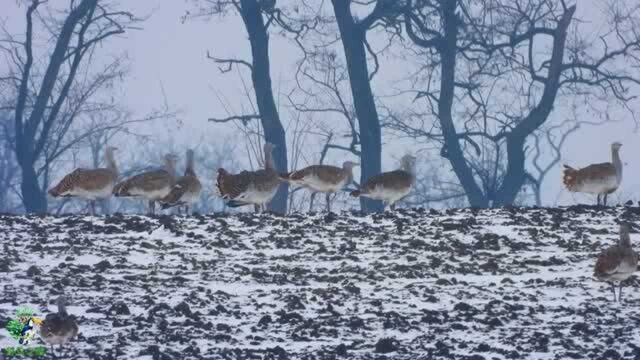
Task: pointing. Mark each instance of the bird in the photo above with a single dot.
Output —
(152, 185)
(89, 184)
(600, 179)
(618, 262)
(390, 186)
(186, 190)
(59, 327)
(250, 187)
(322, 178)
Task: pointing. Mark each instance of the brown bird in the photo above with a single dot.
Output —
(390, 186)
(250, 187)
(186, 189)
(600, 179)
(618, 262)
(89, 184)
(152, 185)
(322, 178)
(60, 327)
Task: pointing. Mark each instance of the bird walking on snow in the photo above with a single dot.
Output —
(322, 178)
(152, 185)
(89, 184)
(250, 187)
(186, 189)
(390, 186)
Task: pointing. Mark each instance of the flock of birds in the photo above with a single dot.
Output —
(259, 187)
(245, 188)
(615, 264)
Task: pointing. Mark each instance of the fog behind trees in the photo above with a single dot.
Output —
(181, 75)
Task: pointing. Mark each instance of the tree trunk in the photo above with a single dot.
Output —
(27, 152)
(515, 177)
(260, 75)
(33, 198)
(454, 152)
(353, 37)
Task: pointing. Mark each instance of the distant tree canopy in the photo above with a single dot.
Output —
(484, 77)
(492, 71)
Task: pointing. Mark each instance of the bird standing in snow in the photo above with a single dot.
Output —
(599, 179)
(59, 327)
(618, 262)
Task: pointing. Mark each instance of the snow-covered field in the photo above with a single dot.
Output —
(410, 284)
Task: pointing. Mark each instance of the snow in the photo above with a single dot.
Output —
(457, 284)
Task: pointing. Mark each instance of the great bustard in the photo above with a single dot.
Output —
(152, 185)
(390, 186)
(600, 179)
(322, 178)
(58, 327)
(618, 262)
(250, 187)
(186, 189)
(89, 184)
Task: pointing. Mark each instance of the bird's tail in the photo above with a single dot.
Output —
(284, 176)
(121, 189)
(569, 177)
(58, 189)
(220, 180)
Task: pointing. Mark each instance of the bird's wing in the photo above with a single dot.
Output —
(609, 261)
(391, 179)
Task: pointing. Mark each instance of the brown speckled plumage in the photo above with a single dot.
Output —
(186, 189)
(618, 262)
(250, 187)
(59, 327)
(599, 179)
(90, 184)
(390, 186)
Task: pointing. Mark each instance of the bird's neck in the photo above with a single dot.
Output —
(268, 161)
(189, 169)
(170, 167)
(111, 162)
(617, 163)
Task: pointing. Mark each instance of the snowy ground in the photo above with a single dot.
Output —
(458, 284)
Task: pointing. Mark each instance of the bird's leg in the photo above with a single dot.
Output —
(186, 211)
(392, 207)
(613, 288)
(604, 202)
(92, 203)
(152, 207)
(620, 292)
(328, 197)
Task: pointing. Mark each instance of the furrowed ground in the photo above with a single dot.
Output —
(410, 284)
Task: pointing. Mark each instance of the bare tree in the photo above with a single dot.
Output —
(254, 13)
(487, 83)
(48, 98)
(353, 35)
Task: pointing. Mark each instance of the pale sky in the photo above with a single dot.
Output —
(170, 53)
